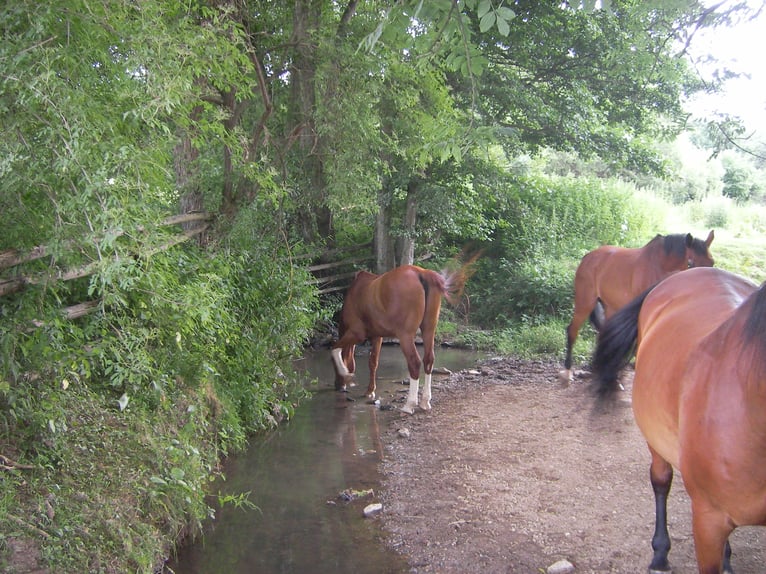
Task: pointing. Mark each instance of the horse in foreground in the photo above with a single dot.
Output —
(395, 304)
(609, 277)
(699, 398)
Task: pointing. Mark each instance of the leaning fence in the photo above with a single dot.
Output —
(14, 277)
(332, 270)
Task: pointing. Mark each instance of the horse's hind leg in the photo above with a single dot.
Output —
(428, 332)
(661, 475)
(428, 366)
(407, 344)
(572, 331)
(375, 343)
(711, 534)
(347, 356)
(585, 302)
(342, 354)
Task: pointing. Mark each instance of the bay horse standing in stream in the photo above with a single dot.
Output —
(699, 398)
(609, 277)
(395, 304)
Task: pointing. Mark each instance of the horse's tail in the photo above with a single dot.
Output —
(615, 347)
(456, 275)
(597, 316)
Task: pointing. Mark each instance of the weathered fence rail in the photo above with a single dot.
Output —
(15, 258)
(336, 275)
(332, 272)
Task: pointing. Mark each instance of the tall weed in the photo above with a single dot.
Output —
(547, 225)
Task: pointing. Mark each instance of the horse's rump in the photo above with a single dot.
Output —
(698, 397)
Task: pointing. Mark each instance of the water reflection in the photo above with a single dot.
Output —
(295, 475)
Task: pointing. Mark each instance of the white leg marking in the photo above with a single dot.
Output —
(412, 397)
(338, 360)
(425, 399)
(565, 376)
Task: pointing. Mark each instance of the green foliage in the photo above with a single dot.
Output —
(199, 345)
(741, 252)
(544, 338)
(545, 226)
(187, 351)
(741, 181)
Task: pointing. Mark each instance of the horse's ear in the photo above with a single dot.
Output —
(689, 240)
(710, 237)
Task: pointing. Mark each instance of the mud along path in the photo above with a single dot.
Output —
(511, 472)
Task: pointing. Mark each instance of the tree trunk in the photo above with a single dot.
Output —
(186, 166)
(383, 243)
(314, 217)
(407, 240)
(230, 196)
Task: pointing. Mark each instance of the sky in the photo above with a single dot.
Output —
(741, 48)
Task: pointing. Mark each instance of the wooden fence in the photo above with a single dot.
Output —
(332, 271)
(15, 259)
(337, 273)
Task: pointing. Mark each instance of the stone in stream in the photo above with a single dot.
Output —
(561, 567)
(372, 509)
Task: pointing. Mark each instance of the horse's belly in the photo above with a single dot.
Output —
(656, 419)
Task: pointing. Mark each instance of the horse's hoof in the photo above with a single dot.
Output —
(370, 396)
(346, 379)
(662, 568)
(425, 406)
(566, 376)
(409, 408)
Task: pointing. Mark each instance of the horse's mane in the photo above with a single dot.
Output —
(754, 330)
(675, 244)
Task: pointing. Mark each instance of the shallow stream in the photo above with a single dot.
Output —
(296, 474)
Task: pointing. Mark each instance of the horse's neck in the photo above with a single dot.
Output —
(664, 262)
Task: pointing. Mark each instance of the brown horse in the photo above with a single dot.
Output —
(609, 277)
(699, 398)
(395, 304)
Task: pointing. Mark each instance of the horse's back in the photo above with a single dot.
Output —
(387, 304)
(698, 299)
(609, 272)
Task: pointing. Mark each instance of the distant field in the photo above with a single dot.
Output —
(745, 256)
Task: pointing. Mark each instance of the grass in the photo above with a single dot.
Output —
(741, 255)
(113, 491)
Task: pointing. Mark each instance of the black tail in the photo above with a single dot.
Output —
(597, 316)
(615, 348)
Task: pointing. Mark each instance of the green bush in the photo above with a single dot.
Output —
(545, 226)
(187, 356)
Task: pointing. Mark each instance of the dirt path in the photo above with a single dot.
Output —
(511, 472)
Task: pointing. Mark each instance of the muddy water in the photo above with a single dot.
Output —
(296, 474)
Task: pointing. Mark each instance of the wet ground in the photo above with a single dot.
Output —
(510, 472)
(311, 480)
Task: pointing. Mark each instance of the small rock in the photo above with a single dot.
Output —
(404, 433)
(372, 509)
(350, 494)
(561, 567)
